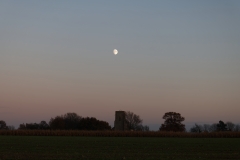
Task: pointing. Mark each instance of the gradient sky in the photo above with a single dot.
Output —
(182, 56)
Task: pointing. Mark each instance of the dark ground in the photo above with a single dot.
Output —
(48, 147)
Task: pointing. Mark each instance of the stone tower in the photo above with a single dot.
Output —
(120, 122)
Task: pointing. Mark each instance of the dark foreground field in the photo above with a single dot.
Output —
(46, 147)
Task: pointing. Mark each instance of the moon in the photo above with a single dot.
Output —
(115, 51)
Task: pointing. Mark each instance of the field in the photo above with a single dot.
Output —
(75, 147)
(118, 133)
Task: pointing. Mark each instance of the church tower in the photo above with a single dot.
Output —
(120, 122)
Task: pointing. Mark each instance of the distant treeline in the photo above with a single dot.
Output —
(68, 121)
(221, 126)
(72, 121)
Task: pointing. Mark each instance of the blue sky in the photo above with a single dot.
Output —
(183, 56)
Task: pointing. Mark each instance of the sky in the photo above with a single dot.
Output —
(181, 56)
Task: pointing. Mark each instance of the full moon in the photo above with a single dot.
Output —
(115, 51)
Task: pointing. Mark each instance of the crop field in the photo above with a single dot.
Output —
(118, 133)
(75, 147)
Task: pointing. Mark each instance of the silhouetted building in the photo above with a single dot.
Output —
(120, 121)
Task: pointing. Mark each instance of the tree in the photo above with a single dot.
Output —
(93, 124)
(173, 122)
(22, 126)
(68, 121)
(213, 127)
(57, 123)
(237, 128)
(11, 127)
(3, 125)
(145, 128)
(72, 121)
(133, 121)
(35, 126)
(206, 128)
(43, 125)
(197, 128)
(142, 128)
(32, 126)
(221, 126)
(230, 126)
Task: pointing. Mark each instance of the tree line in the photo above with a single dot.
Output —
(72, 121)
(220, 126)
(69, 121)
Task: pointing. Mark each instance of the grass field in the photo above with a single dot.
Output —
(50, 147)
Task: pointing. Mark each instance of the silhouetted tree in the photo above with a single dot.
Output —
(68, 121)
(206, 128)
(3, 125)
(173, 122)
(72, 121)
(146, 128)
(221, 126)
(32, 126)
(213, 127)
(57, 123)
(11, 127)
(142, 128)
(134, 121)
(93, 124)
(22, 126)
(43, 125)
(237, 128)
(230, 126)
(196, 128)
